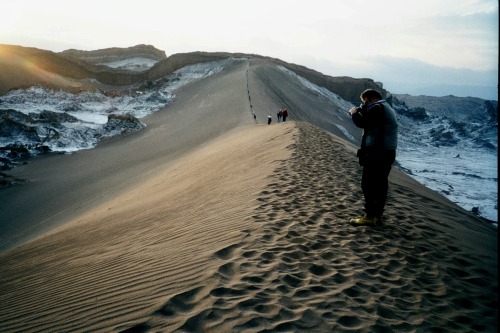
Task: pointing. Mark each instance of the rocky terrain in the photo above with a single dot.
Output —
(459, 108)
(452, 119)
(450, 144)
(40, 120)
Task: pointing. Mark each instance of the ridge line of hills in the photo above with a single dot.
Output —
(16, 62)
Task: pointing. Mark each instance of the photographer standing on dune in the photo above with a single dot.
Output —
(377, 153)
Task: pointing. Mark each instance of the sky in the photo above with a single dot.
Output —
(431, 47)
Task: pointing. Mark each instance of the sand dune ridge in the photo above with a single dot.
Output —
(216, 223)
(307, 270)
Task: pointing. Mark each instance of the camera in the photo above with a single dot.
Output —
(361, 107)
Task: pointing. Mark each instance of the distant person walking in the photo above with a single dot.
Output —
(285, 114)
(377, 153)
(269, 119)
(279, 115)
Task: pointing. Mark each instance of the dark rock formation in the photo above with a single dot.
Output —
(417, 114)
(13, 124)
(122, 124)
(491, 108)
(54, 119)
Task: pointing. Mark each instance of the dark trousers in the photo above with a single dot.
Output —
(375, 181)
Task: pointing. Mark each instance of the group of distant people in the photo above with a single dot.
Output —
(281, 115)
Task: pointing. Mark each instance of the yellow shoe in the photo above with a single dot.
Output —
(366, 220)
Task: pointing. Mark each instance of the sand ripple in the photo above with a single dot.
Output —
(308, 270)
(205, 247)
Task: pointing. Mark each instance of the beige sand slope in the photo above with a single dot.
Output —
(242, 227)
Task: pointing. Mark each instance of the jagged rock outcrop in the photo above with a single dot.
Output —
(14, 124)
(35, 133)
(122, 124)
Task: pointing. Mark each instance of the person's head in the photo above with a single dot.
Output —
(370, 96)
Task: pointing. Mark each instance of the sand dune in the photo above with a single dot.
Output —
(127, 255)
(236, 226)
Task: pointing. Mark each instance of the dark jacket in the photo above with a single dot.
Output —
(380, 127)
